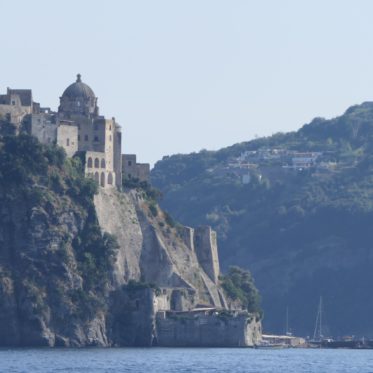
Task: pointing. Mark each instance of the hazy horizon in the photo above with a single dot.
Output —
(183, 76)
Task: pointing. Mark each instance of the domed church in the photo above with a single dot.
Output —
(76, 126)
(98, 137)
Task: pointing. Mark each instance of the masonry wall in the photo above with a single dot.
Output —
(129, 165)
(217, 330)
(206, 249)
(67, 137)
(15, 113)
(118, 155)
(43, 127)
(133, 170)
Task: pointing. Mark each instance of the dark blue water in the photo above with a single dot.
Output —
(185, 360)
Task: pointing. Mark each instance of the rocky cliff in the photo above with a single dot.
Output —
(82, 266)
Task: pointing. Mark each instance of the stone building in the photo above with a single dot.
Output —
(16, 104)
(76, 126)
(133, 170)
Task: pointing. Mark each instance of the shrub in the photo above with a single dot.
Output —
(239, 285)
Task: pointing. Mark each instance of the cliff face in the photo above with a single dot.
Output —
(65, 280)
(153, 251)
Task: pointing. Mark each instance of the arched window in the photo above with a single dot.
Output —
(103, 163)
(89, 163)
(102, 179)
(67, 142)
(97, 177)
(110, 178)
(97, 163)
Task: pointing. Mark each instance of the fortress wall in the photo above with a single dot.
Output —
(188, 237)
(200, 330)
(15, 112)
(109, 143)
(143, 171)
(118, 156)
(205, 246)
(43, 128)
(134, 170)
(67, 137)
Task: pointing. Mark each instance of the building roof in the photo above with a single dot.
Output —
(78, 90)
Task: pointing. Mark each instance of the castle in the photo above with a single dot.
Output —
(77, 127)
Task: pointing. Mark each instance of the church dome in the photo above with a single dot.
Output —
(78, 89)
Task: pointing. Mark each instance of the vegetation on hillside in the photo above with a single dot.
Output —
(41, 178)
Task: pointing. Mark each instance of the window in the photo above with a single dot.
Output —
(110, 127)
(129, 163)
(67, 142)
(96, 138)
(96, 127)
(78, 137)
(85, 137)
(90, 163)
(102, 163)
(13, 103)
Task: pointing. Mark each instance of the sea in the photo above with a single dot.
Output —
(186, 360)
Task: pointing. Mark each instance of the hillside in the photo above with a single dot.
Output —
(294, 208)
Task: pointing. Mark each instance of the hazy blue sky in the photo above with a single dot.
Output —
(180, 76)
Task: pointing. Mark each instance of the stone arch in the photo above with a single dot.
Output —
(97, 177)
(102, 179)
(110, 179)
(97, 163)
(89, 163)
(103, 165)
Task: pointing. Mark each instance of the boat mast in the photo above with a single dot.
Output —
(320, 318)
(287, 321)
(318, 323)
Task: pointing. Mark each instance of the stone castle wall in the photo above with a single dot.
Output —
(43, 127)
(67, 137)
(202, 241)
(14, 111)
(217, 329)
(133, 170)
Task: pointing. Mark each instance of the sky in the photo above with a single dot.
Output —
(181, 76)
